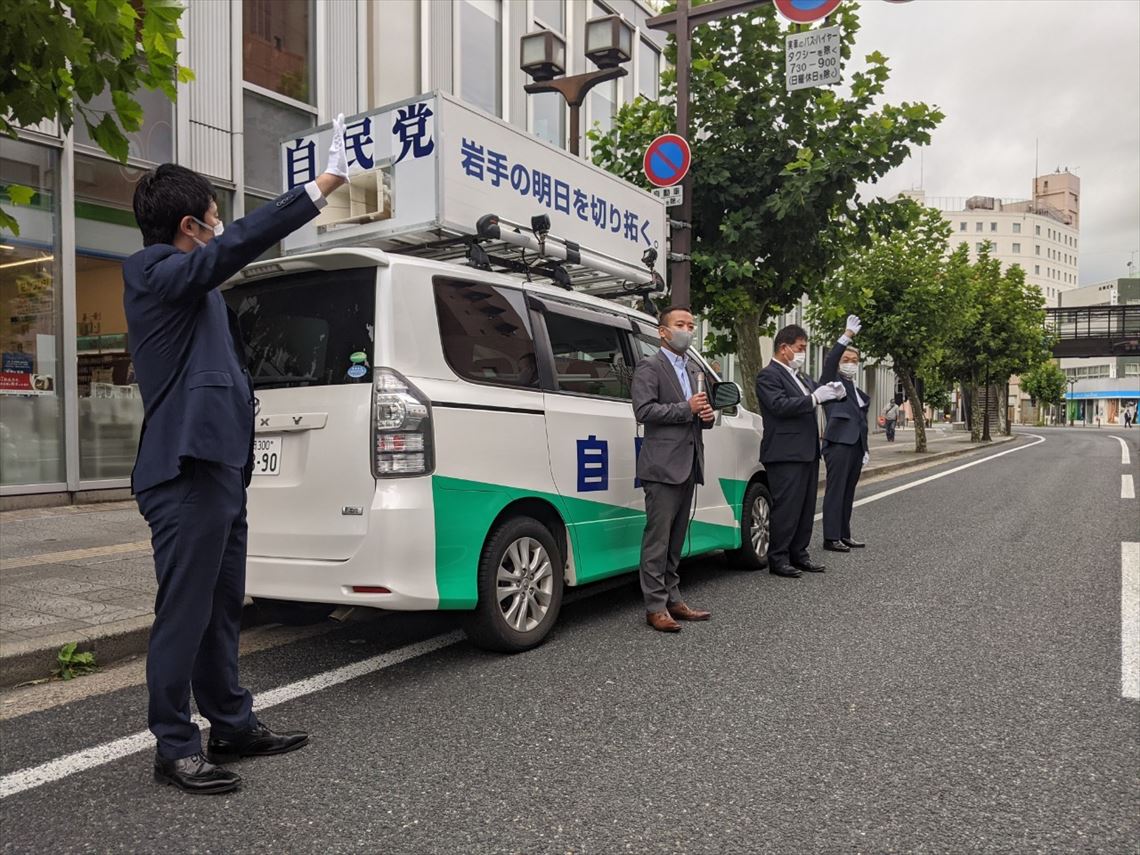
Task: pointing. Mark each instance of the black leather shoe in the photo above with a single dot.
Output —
(786, 572)
(258, 741)
(809, 566)
(195, 774)
(836, 546)
(851, 543)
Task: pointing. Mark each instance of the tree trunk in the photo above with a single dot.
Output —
(747, 329)
(1007, 423)
(989, 390)
(907, 378)
(976, 414)
(968, 406)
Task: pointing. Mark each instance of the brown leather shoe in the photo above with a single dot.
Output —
(682, 612)
(661, 622)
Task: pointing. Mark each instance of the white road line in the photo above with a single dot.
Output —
(90, 758)
(903, 487)
(1127, 488)
(1125, 460)
(1130, 620)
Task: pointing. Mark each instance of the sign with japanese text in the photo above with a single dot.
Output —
(671, 196)
(812, 58)
(436, 165)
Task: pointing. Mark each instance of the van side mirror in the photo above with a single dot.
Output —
(725, 394)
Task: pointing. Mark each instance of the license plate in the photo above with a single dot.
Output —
(267, 455)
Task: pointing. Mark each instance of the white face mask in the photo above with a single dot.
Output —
(218, 230)
(849, 369)
(798, 360)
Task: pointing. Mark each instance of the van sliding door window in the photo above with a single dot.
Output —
(588, 357)
(486, 333)
(308, 329)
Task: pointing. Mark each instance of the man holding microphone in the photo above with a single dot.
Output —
(669, 399)
(789, 448)
(195, 458)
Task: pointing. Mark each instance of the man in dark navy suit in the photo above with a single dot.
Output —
(845, 445)
(789, 448)
(195, 458)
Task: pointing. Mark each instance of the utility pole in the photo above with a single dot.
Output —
(680, 24)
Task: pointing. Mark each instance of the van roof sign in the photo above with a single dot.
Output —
(423, 172)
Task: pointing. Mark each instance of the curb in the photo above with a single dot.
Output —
(111, 644)
(932, 457)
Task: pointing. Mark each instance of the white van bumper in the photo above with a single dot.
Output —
(395, 562)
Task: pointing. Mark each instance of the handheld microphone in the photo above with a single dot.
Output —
(700, 382)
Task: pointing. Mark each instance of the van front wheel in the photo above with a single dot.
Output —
(520, 587)
(755, 519)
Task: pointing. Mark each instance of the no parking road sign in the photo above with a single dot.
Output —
(806, 11)
(667, 160)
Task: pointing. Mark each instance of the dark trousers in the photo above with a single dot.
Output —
(198, 531)
(667, 509)
(844, 464)
(793, 487)
(890, 430)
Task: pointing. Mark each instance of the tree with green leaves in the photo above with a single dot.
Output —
(774, 173)
(59, 55)
(1002, 334)
(1045, 384)
(900, 288)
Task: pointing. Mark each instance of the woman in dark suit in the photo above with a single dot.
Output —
(845, 450)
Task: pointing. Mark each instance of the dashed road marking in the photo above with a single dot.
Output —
(1125, 459)
(1127, 486)
(1130, 620)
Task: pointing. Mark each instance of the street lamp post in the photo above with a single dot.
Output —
(609, 42)
(1072, 381)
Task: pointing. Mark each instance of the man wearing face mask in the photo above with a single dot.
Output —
(195, 458)
(671, 462)
(789, 448)
(845, 447)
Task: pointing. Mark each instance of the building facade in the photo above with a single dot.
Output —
(1101, 388)
(69, 410)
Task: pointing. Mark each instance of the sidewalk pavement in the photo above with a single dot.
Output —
(84, 573)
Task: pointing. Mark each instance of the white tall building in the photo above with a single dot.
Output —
(1041, 234)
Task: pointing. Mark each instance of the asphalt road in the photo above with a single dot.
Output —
(954, 688)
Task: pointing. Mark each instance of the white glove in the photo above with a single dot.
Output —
(829, 392)
(866, 457)
(338, 158)
(854, 324)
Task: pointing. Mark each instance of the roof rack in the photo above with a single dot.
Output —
(533, 251)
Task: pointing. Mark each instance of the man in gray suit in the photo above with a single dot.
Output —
(667, 401)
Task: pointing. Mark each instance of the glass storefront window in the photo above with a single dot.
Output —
(277, 47)
(110, 409)
(31, 408)
(252, 203)
(481, 54)
(549, 117)
(154, 141)
(266, 122)
(648, 70)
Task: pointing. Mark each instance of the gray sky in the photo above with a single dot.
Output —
(1007, 72)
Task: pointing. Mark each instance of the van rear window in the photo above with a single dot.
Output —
(308, 329)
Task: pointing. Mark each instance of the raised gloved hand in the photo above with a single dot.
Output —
(866, 457)
(829, 392)
(853, 325)
(338, 158)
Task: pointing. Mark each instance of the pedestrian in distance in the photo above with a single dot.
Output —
(1127, 418)
(890, 419)
(845, 448)
(195, 458)
(667, 400)
(790, 449)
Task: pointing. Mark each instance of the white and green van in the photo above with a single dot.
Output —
(434, 436)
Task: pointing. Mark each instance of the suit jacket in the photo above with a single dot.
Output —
(197, 393)
(673, 446)
(791, 431)
(846, 419)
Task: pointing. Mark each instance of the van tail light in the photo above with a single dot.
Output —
(401, 427)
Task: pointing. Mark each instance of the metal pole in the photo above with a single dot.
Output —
(575, 130)
(682, 238)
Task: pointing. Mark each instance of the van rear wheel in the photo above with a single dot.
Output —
(755, 522)
(520, 587)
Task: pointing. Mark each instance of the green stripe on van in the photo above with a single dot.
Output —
(606, 538)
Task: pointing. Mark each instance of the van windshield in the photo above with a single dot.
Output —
(308, 329)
